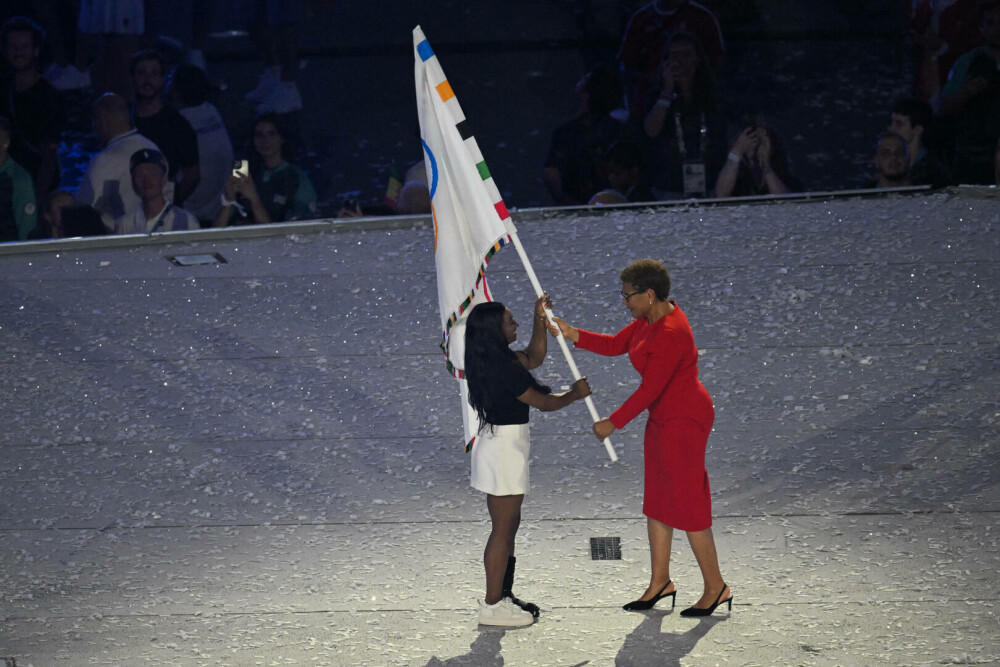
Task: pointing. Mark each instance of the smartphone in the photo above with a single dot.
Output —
(241, 167)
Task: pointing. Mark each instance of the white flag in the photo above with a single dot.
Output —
(470, 220)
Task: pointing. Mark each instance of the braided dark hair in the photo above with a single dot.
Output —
(486, 348)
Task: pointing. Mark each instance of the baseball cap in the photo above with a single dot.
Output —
(147, 156)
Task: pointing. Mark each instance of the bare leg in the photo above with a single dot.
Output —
(703, 546)
(661, 537)
(505, 513)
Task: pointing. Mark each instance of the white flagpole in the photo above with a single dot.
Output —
(562, 341)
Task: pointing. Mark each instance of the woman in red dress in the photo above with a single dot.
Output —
(676, 495)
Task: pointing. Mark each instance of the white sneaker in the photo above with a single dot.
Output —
(268, 80)
(284, 98)
(504, 613)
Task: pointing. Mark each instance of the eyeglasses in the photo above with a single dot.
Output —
(631, 294)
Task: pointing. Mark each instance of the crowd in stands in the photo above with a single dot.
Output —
(651, 126)
(661, 98)
(166, 161)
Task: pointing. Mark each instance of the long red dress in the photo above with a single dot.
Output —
(680, 416)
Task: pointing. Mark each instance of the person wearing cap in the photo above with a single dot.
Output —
(149, 171)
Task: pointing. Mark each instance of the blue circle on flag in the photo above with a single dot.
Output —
(434, 167)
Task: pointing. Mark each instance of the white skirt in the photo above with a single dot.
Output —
(500, 460)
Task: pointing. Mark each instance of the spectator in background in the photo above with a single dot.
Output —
(276, 36)
(756, 164)
(686, 138)
(31, 104)
(106, 183)
(52, 214)
(646, 39)
(18, 214)
(163, 125)
(576, 166)
(274, 190)
(891, 162)
(996, 163)
(940, 31)
(187, 90)
(911, 119)
(110, 30)
(626, 175)
(148, 169)
(972, 97)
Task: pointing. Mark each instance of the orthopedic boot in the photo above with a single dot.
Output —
(508, 584)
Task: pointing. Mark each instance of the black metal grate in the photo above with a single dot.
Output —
(605, 548)
(196, 260)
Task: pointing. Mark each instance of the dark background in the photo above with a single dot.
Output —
(825, 74)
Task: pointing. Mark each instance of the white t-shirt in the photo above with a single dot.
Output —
(107, 183)
(215, 152)
(171, 219)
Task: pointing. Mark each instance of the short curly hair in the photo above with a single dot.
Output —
(647, 274)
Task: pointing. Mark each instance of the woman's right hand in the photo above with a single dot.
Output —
(580, 389)
(568, 332)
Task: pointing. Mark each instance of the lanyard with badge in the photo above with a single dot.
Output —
(693, 170)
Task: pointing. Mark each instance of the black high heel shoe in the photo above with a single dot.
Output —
(643, 605)
(707, 611)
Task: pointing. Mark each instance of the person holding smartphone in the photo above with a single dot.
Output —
(271, 188)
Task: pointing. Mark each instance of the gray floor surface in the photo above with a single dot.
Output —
(260, 462)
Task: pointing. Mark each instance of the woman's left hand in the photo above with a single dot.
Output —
(603, 429)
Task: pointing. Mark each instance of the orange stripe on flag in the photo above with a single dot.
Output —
(435, 219)
(445, 91)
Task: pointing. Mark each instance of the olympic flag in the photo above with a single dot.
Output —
(471, 222)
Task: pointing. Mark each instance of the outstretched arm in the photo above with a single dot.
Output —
(534, 354)
(553, 402)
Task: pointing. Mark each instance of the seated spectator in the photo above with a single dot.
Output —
(163, 125)
(414, 199)
(646, 38)
(274, 190)
(576, 166)
(940, 32)
(626, 175)
(18, 214)
(972, 97)
(911, 119)
(756, 165)
(996, 163)
(606, 197)
(891, 162)
(106, 183)
(686, 141)
(52, 214)
(187, 90)
(149, 171)
(31, 105)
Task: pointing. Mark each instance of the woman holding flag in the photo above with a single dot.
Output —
(661, 347)
(501, 389)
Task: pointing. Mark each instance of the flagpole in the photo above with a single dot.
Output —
(562, 341)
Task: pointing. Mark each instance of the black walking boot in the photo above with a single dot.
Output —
(508, 584)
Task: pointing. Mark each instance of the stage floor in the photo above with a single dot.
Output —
(260, 462)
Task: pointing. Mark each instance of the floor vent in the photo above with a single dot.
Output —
(605, 548)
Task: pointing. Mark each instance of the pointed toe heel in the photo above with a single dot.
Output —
(707, 611)
(643, 605)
